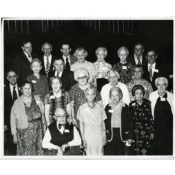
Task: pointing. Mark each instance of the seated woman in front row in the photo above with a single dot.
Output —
(61, 138)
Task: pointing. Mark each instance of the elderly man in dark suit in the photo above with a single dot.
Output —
(67, 57)
(11, 93)
(66, 76)
(138, 57)
(21, 63)
(47, 60)
(153, 68)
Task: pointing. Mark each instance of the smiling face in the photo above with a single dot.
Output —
(161, 86)
(27, 48)
(12, 78)
(151, 57)
(27, 90)
(81, 56)
(138, 50)
(58, 65)
(82, 78)
(122, 55)
(60, 116)
(139, 95)
(56, 84)
(138, 73)
(115, 96)
(90, 95)
(100, 55)
(36, 67)
(113, 78)
(65, 49)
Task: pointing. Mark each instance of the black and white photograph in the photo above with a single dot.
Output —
(88, 88)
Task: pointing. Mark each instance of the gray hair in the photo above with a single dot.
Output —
(79, 71)
(161, 78)
(114, 71)
(103, 49)
(123, 48)
(80, 49)
(116, 89)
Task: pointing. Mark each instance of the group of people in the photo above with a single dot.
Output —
(70, 106)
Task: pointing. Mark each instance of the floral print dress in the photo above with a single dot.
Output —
(143, 127)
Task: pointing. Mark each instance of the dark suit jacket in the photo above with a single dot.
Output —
(73, 59)
(155, 75)
(132, 60)
(43, 72)
(67, 79)
(21, 66)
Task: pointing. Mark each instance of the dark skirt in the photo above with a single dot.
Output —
(116, 146)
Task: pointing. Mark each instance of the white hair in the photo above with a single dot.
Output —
(159, 79)
(80, 71)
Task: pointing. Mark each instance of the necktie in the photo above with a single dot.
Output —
(47, 66)
(150, 71)
(67, 64)
(139, 62)
(14, 93)
(30, 58)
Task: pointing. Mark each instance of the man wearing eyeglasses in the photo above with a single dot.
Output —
(11, 93)
(153, 68)
(138, 57)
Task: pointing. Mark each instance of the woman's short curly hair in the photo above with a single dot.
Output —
(136, 87)
(81, 49)
(80, 71)
(123, 48)
(103, 49)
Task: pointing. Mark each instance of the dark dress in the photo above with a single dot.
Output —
(163, 124)
(125, 71)
(143, 127)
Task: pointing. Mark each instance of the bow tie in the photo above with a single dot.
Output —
(60, 125)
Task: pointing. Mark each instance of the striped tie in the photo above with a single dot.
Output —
(47, 66)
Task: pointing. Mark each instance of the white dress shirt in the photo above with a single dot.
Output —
(105, 93)
(47, 138)
(60, 74)
(29, 58)
(64, 58)
(16, 89)
(136, 60)
(153, 68)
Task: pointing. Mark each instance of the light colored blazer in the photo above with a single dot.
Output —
(18, 117)
(154, 96)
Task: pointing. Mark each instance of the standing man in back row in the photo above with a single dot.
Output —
(47, 60)
(67, 57)
(21, 63)
(138, 57)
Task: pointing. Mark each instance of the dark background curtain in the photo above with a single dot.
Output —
(90, 34)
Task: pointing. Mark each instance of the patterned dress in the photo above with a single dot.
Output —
(125, 71)
(56, 102)
(30, 139)
(143, 127)
(101, 70)
(40, 85)
(78, 96)
(147, 86)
